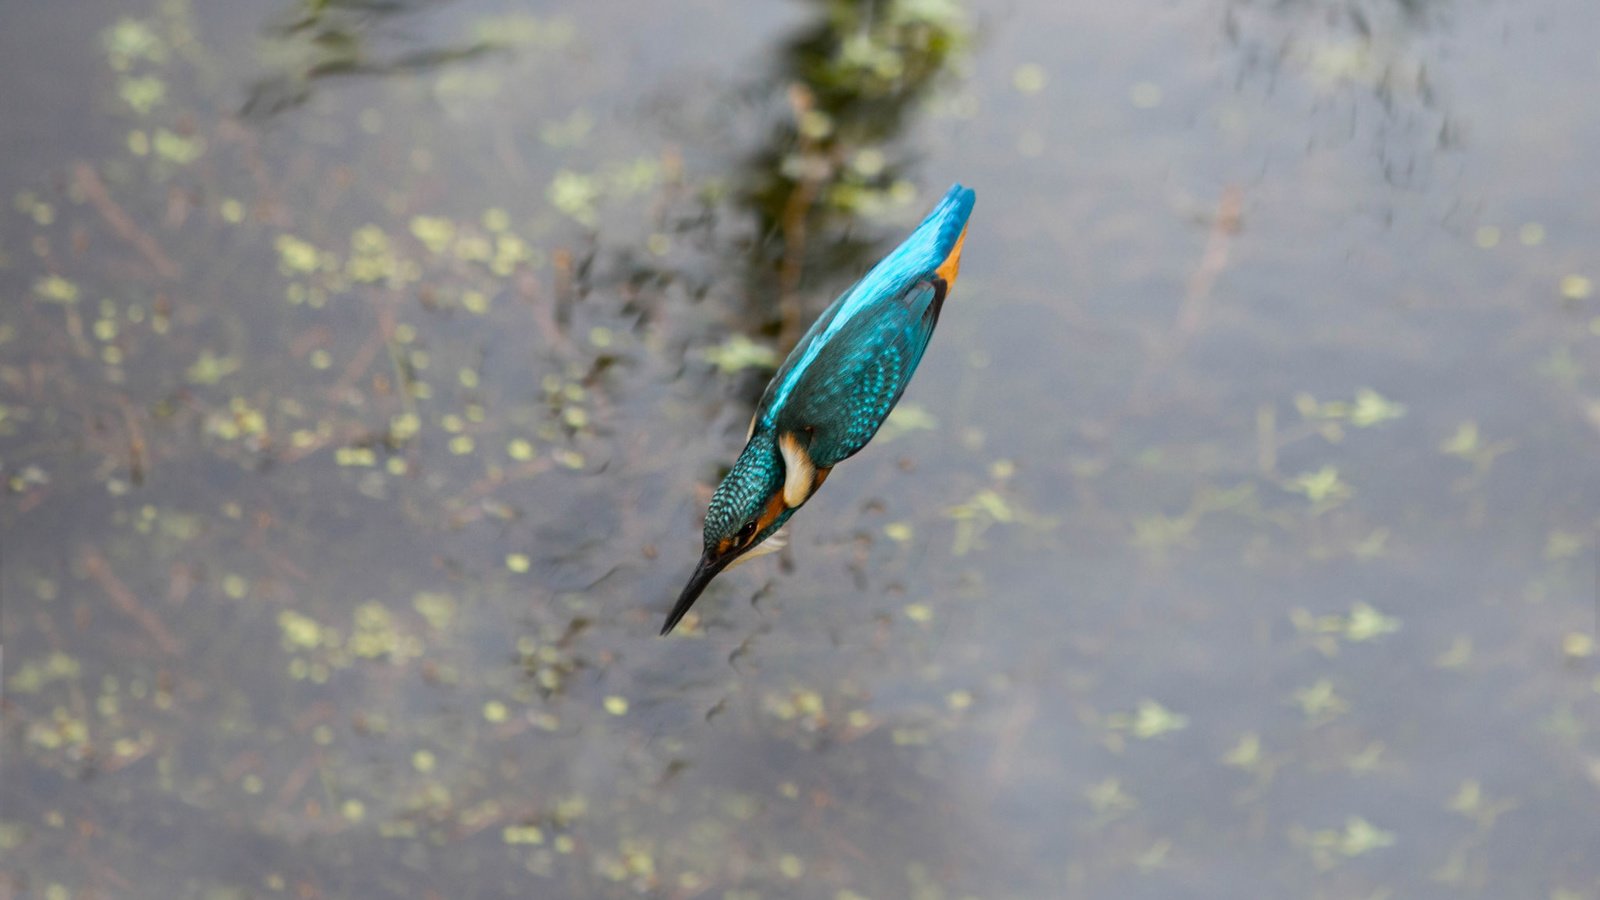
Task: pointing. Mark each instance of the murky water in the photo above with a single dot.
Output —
(366, 368)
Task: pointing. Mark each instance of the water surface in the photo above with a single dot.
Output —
(366, 369)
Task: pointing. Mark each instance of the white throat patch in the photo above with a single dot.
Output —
(799, 472)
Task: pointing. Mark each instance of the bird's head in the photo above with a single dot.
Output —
(753, 501)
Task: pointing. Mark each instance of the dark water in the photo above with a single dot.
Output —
(365, 369)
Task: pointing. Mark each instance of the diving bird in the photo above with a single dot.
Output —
(832, 393)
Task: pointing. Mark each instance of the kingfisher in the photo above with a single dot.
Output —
(832, 393)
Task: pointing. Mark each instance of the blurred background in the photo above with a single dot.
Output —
(366, 365)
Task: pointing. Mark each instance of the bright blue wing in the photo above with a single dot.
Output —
(848, 371)
(782, 384)
(914, 261)
(857, 374)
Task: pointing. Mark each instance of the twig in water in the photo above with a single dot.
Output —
(88, 181)
(100, 571)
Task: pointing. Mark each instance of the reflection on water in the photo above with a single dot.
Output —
(1367, 63)
(1237, 537)
(318, 40)
(852, 78)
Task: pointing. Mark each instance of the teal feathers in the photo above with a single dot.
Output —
(755, 476)
(917, 258)
(834, 391)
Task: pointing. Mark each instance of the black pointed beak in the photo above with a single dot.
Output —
(707, 569)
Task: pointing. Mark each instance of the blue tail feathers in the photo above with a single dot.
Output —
(925, 249)
(938, 233)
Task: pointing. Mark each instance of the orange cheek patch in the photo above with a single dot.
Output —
(769, 515)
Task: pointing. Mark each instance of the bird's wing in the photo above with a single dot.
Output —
(856, 376)
(800, 358)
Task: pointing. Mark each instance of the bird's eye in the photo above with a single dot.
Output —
(748, 531)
